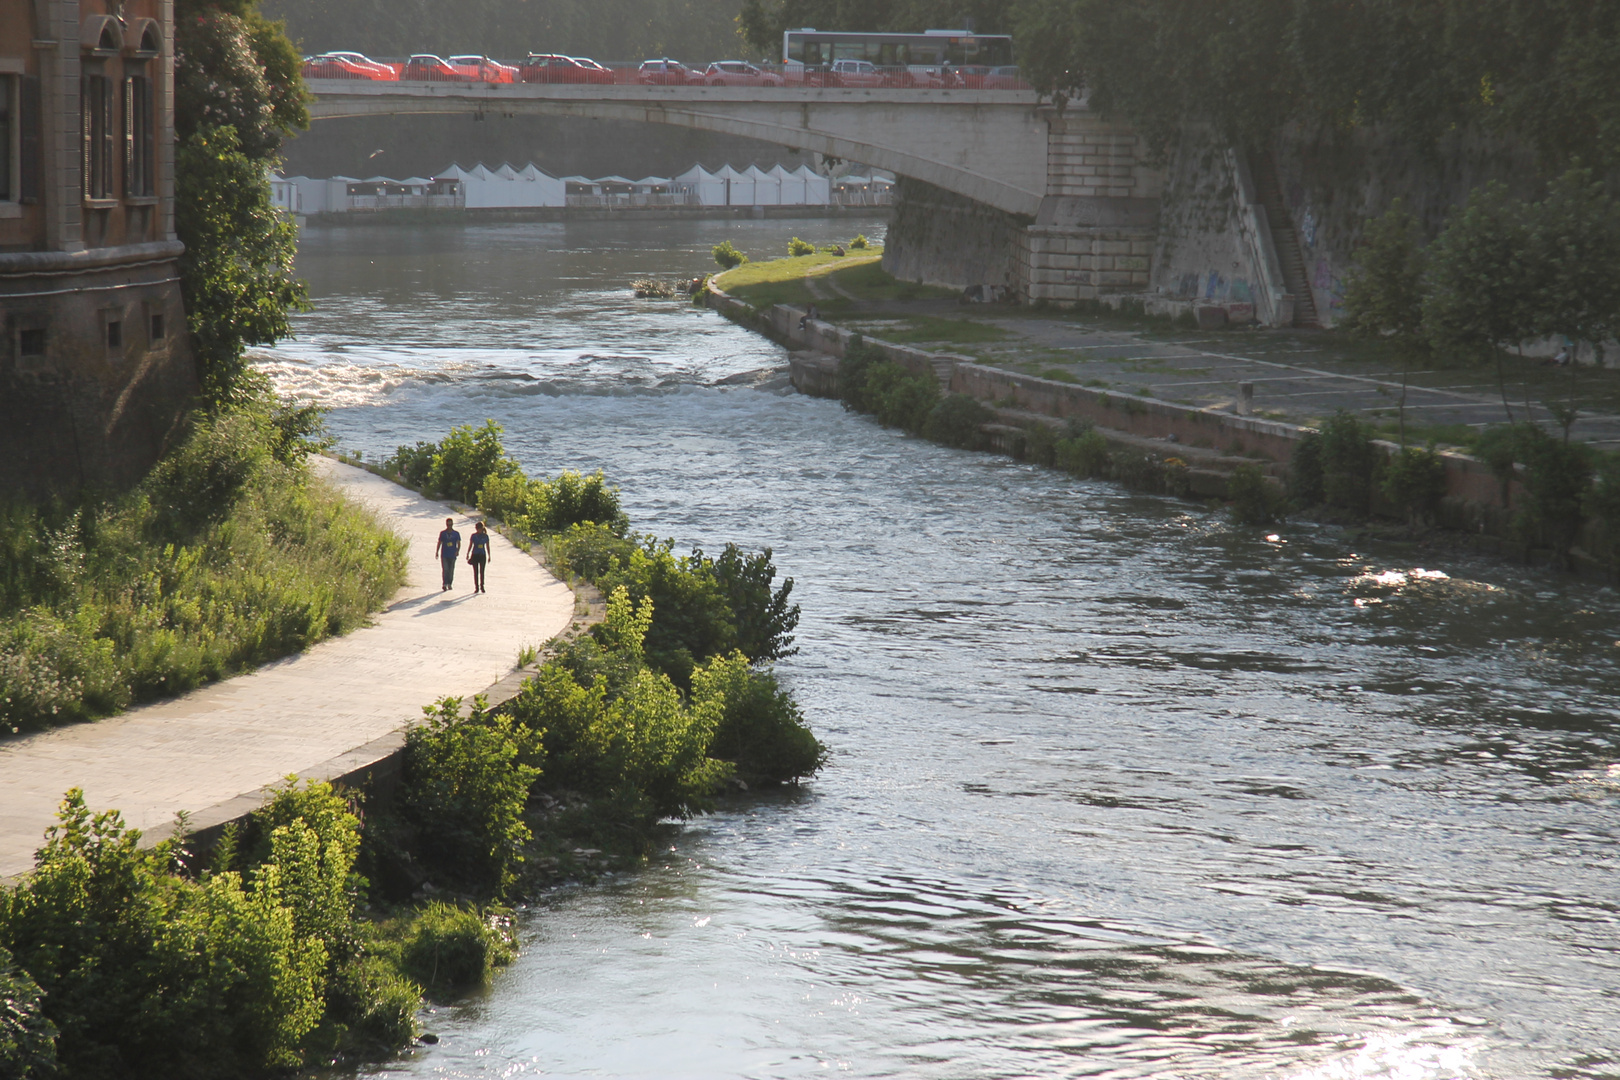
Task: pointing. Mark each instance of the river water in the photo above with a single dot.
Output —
(1118, 789)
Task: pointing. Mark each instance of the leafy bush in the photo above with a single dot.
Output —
(1415, 480)
(449, 947)
(223, 558)
(869, 382)
(956, 420)
(1305, 470)
(1253, 500)
(797, 247)
(549, 506)
(1350, 463)
(465, 786)
(376, 1004)
(705, 607)
(727, 255)
(762, 731)
(860, 243)
(1084, 454)
(27, 1038)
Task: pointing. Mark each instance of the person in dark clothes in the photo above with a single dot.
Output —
(448, 548)
(478, 555)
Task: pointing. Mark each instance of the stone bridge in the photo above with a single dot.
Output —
(1006, 190)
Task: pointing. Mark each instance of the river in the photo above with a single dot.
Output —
(1118, 789)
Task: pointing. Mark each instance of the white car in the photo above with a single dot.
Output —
(738, 73)
(855, 73)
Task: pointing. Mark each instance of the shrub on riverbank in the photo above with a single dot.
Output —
(227, 555)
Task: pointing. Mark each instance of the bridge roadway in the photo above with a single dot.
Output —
(987, 145)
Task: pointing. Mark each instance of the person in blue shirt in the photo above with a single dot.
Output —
(478, 555)
(448, 548)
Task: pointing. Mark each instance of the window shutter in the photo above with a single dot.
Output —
(107, 139)
(87, 133)
(31, 158)
(132, 176)
(148, 139)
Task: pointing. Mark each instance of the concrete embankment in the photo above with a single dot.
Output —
(1211, 442)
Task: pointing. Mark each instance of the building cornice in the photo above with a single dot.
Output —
(23, 263)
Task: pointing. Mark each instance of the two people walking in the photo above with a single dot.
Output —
(449, 548)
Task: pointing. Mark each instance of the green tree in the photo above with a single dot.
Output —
(238, 95)
(1482, 285)
(1384, 296)
(1575, 260)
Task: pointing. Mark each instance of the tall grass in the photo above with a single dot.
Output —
(228, 555)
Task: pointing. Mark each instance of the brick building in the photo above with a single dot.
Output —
(95, 365)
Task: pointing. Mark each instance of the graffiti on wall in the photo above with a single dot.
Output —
(1329, 285)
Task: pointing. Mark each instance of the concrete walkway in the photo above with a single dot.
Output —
(297, 715)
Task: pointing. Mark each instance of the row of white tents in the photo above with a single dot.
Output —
(482, 187)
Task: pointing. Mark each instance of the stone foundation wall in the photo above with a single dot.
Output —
(939, 238)
(87, 413)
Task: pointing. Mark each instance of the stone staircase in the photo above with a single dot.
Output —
(1290, 253)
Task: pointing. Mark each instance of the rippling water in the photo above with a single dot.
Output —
(1119, 789)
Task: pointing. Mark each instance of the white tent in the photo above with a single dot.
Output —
(817, 188)
(789, 185)
(767, 188)
(709, 188)
(505, 187)
(649, 185)
(739, 187)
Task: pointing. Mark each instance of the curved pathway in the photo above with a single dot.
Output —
(210, 752)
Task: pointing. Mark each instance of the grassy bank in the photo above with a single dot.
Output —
(313, 935)
(228, 555)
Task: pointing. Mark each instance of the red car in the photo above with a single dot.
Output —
(347, 65)
(666, 72)
(738, 73)
(484, 70)
(425, 67)
(554, 68)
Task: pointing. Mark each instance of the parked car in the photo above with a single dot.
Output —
(483, 69)
(425, 67)
(739, 73)
(966, 76)
(855, 73)
(665, 72)
(556, 68)
(1005, 78)
(348, 65)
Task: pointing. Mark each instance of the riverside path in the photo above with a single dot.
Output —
(319, 713)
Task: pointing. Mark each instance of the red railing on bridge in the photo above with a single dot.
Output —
(579, 71)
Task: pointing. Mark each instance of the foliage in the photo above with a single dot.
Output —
(552, 506)
(797, 247)
(1083, 454)
(1557, 479)
(1253, 500)
(1481, 288)
(1384, 295)
(727, 255)
(860, 243)
(1305, 480)
(1574, 253)
(1415, 481)
(466, 785)
(1350, 464)
(237, 269)
(27, 1037)
(956, 421)
(146, 973)
(705, 607)
(1603, 505)
(223, 558)
(870, 382)
(1544, 73)
(237, 95)
(449, 947)
(762, 730)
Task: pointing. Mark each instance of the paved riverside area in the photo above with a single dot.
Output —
(1298, 376)
(299, 714)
